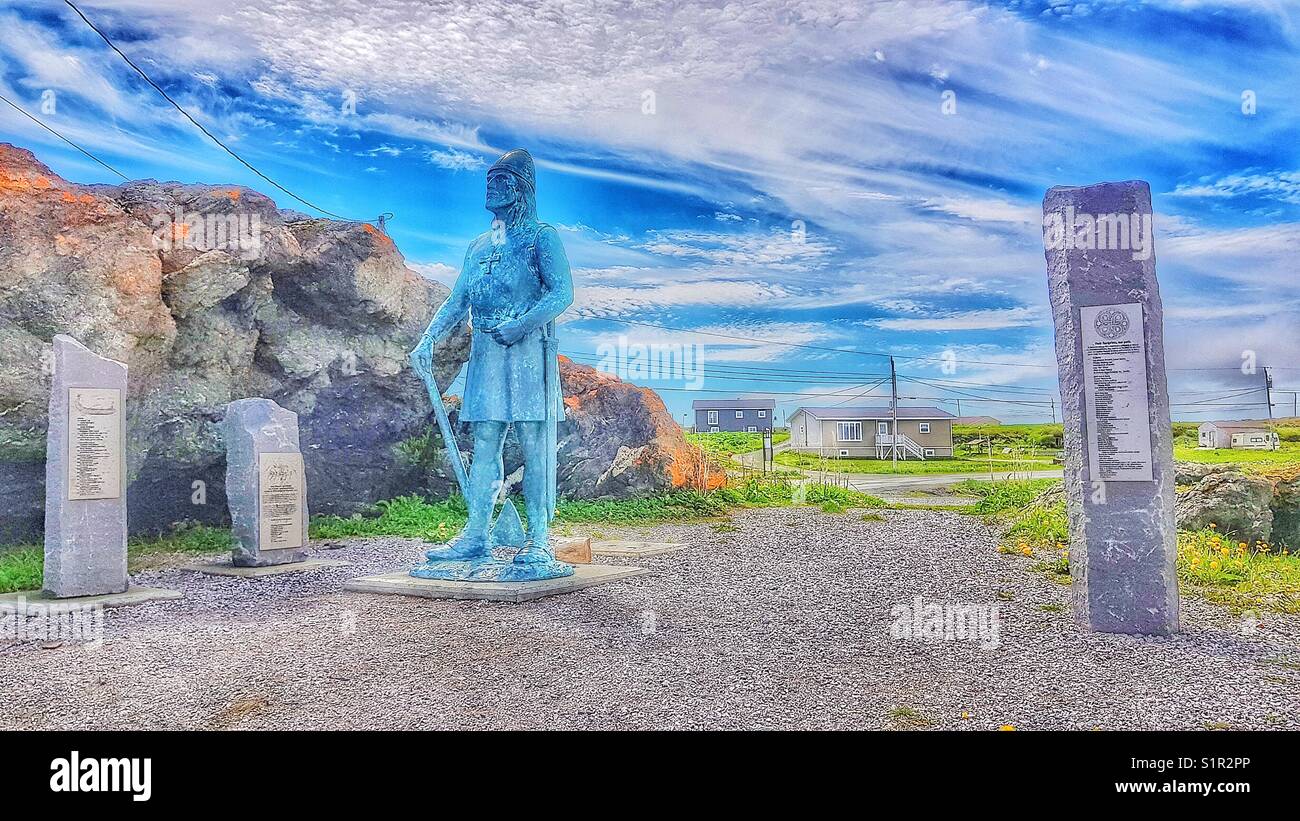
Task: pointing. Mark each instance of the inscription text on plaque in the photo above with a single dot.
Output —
(281, 489)
(94, 443)
(1116, 393)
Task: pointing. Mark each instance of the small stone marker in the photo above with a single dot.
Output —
(1119, 473)
(573, 551)
(85, 474)
(266, 486)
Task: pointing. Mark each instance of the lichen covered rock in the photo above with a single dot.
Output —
(210, 294)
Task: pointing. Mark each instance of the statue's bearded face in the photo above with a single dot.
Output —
(501, 192)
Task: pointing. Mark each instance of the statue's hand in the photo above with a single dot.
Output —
(422, 357)
(508, 332)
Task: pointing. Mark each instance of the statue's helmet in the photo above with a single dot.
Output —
(519, 163)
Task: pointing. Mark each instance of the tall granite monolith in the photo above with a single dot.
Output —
(1119, 472)
(85, 474)
(266, 486)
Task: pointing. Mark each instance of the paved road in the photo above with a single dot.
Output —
(754, 458)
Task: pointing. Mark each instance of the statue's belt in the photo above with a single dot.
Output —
(486, 321)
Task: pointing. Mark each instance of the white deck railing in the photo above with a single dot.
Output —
(906, 446)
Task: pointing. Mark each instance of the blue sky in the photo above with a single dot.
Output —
(797, 180)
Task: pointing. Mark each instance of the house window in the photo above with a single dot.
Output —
(844, 453)
(929, 451)
(882, 428)
(740, 414)
(751, 429)
(713, 417)
(713, 429)
(850, 431)
(925, 427)
(762, 414)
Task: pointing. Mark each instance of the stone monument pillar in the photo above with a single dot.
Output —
(85, 474)
(266, 486)
(1119, 472)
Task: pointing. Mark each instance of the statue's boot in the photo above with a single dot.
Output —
(535, 552)
(465, 549)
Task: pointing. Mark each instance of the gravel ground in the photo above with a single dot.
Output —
(783, 622)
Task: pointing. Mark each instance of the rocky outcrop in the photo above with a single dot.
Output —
(1234, 502)
(212, 294)
(1286, 512)
(1248, 507)
(209, 294)
(617, 441)
(1189, 473)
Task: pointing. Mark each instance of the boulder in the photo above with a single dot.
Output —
(619, 440)
(1238, 504)
(1286, 512)
(210, 294)
(1189, 473)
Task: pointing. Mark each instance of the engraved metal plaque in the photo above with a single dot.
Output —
(95, 446)
(1117, 396)
(281, 489)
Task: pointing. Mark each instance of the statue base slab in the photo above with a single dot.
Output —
(404, 584)
(35, 602)
(492, 570)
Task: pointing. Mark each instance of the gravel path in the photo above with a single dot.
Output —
(783, 622)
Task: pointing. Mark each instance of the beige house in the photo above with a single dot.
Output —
(867, 432)
(1239, 435)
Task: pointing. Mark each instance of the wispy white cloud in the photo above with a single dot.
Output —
(454, 160)
(1283, 186)
(990, 319)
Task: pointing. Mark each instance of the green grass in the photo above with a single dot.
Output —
(22, 566)
(409, 516)
(725, 445)
(20, 569)
(1209, 566)
(973, 439)
(1289, 454)
(810, 461)
(905, 717)
(1240, 578)
(998, 497)
(414, 517)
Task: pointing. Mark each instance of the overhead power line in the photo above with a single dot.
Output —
(754, 339)
(199, 125)
(34, 119)
(761, 340)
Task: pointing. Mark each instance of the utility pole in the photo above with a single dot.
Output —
(958, 408)
(1268, 397)
(893, 411)
(1268, 394)
(1053, 410)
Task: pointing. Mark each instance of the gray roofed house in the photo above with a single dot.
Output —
(983, 421)
(866, 432)
(719, 415)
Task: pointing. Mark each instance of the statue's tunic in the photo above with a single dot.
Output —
(506, 383)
